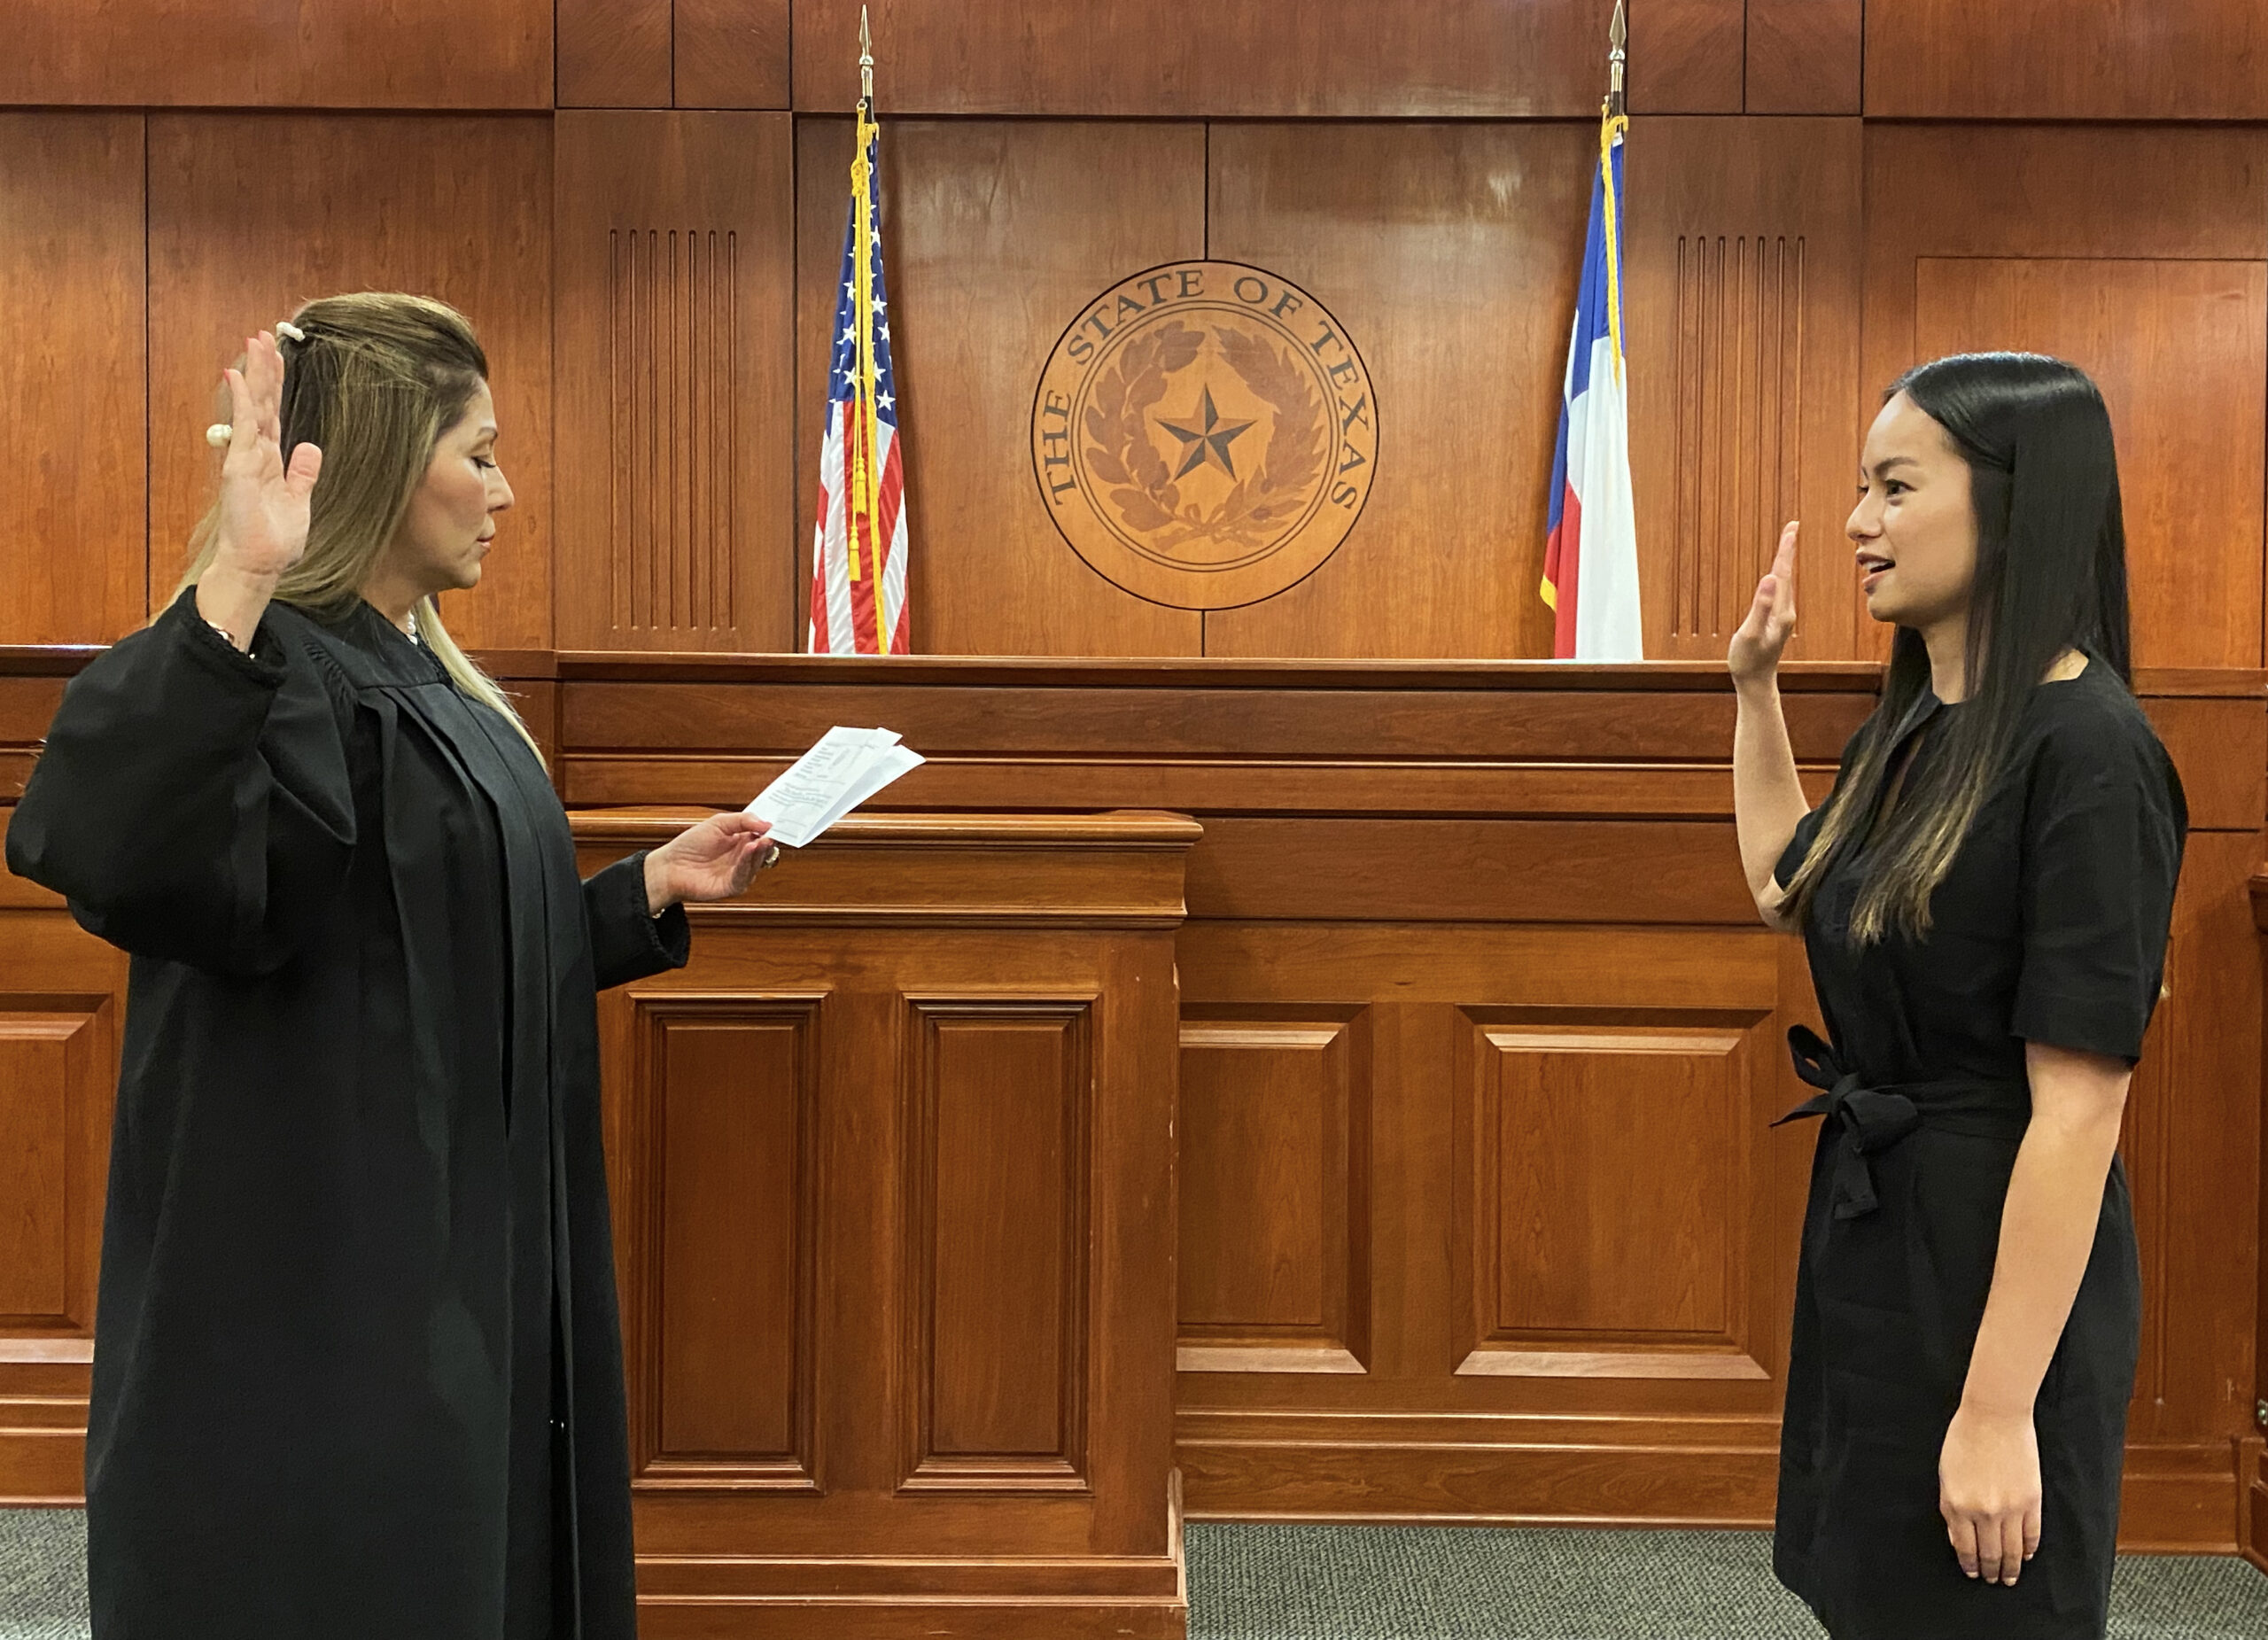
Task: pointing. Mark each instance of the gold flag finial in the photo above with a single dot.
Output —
(1618, 36)
(867, 56)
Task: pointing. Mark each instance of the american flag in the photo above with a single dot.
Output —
(859, 557)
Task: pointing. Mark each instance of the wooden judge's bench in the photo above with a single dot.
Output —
(1268, 1090)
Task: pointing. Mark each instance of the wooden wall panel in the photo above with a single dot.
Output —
(675, 272)
(2067, 59)
(1804, 56)
(1340, 58)
(614, 53)
(996, 233)
(1561, 1218)
(256, 54)
(733, 53)
(1743, 304)
(61, 991)
(54, 1084)
(1510, 1061)
(2101, 195)
(2180, 351)
(1686, 57)
(998, 1166)
(1275, 1194)
(1450, 253)
(250, 214)
(2192, 1146)
(73, 290)
(733, 1084)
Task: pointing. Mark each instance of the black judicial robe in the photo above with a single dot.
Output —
(2050, 927)
(358, 1365)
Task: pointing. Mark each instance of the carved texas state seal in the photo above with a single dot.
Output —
(1204, 434)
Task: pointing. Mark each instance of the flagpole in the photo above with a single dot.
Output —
(866, 482)
(1614, 122)
(1618, 36)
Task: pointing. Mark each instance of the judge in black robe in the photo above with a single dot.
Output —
(358, 1367)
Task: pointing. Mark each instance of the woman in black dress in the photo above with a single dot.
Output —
(358, 1370)
(1985, 899)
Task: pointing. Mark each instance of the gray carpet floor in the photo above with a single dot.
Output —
(1335, 1582)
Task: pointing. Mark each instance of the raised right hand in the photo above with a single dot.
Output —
(1754, 656)
(263, 520)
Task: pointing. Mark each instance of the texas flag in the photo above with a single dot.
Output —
(1590, 562)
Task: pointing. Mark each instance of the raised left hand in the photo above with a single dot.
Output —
(712, 860)
(1989, 1492)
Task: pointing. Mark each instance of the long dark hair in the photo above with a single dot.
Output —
(2051, 576)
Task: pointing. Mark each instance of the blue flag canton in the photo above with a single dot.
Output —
(843, 384)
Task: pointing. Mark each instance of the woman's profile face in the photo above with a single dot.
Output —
(1915, 527)
(452, 516)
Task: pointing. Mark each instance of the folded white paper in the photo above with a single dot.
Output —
(846, 768)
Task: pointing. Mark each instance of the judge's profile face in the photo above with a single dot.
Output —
(452, 517)
(1914, 528)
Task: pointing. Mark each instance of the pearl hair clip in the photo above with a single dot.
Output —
(219, 432)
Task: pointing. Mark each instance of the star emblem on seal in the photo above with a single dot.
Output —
(1206, 443)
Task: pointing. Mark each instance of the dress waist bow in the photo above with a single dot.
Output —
(1874, 1119)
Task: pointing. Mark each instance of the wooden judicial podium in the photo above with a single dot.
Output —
(893, 1182)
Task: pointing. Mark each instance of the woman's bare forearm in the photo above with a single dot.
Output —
(2047, 1226)
(1768, 797)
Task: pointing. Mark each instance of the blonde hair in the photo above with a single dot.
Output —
(374, 380)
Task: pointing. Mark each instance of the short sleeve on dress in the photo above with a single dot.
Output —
(1798, 849)
(2104, 825)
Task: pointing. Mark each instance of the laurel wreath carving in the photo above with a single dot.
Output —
(1119, 451)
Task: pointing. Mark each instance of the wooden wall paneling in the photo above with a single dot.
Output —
(2180, 351)
(994, 233)
(1337, 58)
(1450, 871)
(2191, 1148)
(2211, 740)
(2067, 59)
(1804, 56)
(999, 1159)
(250, 214)
(1560, 1213)
(61, 996)
(1414, 1434)
(1687, 56)
(74, 289)
(675, 278)
(1338, 716)
(1276, 1160)
(1743, 305)
(728, 1089)
(57, 1059)
(733, 53)
(1450, 253)
(1507, 740)
(253, 53)
(26, 704)
(2101, 197)
(614, 53)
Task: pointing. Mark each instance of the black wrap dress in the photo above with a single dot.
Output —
(2051, 927)
(358, 1367)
